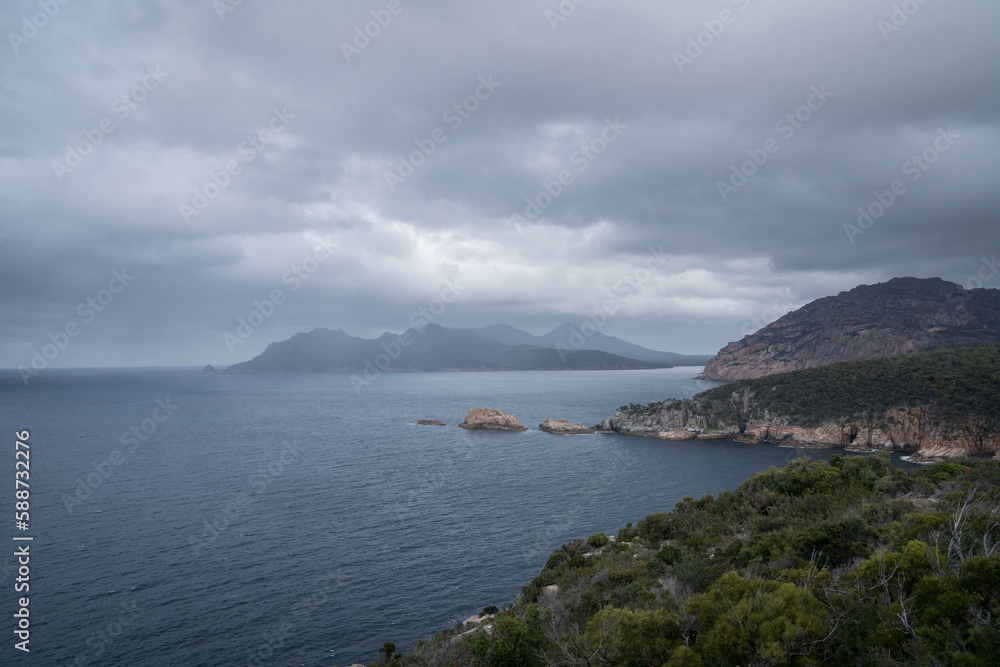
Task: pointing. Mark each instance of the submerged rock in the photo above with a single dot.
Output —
(491, 419)
(431, 422)
(563, 427)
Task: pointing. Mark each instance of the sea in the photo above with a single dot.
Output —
(186, 519)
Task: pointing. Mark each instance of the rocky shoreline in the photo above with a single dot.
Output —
(906, 431)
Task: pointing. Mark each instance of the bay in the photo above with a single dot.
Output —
(292, 520)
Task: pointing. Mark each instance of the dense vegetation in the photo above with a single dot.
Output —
(848, 562)
(956, 383)
(953, 392)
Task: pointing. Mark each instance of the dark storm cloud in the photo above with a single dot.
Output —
(777, 241)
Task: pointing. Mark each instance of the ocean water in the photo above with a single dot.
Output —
(289, 520)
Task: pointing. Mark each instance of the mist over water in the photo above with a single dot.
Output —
(188, 519)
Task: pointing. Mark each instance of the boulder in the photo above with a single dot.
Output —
(677, 434)
(563, 427)
(476, 619)
(491, 419)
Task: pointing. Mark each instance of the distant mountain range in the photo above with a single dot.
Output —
(436, 348)
(902, 316)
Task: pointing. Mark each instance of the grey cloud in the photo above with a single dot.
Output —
(325, 175)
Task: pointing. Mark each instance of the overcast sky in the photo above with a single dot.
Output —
(118, 115)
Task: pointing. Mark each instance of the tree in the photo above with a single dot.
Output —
(388, 649)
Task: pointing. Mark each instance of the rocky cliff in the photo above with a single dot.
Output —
(906, 431)
(902, 316)
(932, 405)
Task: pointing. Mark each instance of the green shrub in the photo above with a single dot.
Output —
(598, 540)
(669, 554)
(514, 641)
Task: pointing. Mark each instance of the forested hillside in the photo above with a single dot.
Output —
(848, 562)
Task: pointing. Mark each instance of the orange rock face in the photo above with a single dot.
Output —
(491, 419)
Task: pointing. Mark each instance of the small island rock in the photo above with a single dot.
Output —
(209, 370)
(493, 419)
(563, 427)
(431, 422)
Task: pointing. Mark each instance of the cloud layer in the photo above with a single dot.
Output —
(533, 152)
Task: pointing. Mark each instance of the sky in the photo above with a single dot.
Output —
(678, 173)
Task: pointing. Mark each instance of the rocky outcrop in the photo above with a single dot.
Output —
(902, 316)
(563, 427)
(476, 619)
(491, 419)
(907, 430)
(209, 370)
(430, 422)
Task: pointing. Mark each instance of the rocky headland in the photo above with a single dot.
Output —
(906, 431)
(481, 418)
(932, 405)
(901, 316)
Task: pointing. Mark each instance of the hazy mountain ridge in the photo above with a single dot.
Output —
(901, 316)
(436, 348)
(575, 338)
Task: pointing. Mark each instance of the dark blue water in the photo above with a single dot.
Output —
(287, 520)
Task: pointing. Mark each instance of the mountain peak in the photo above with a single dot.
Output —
(900, 316)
